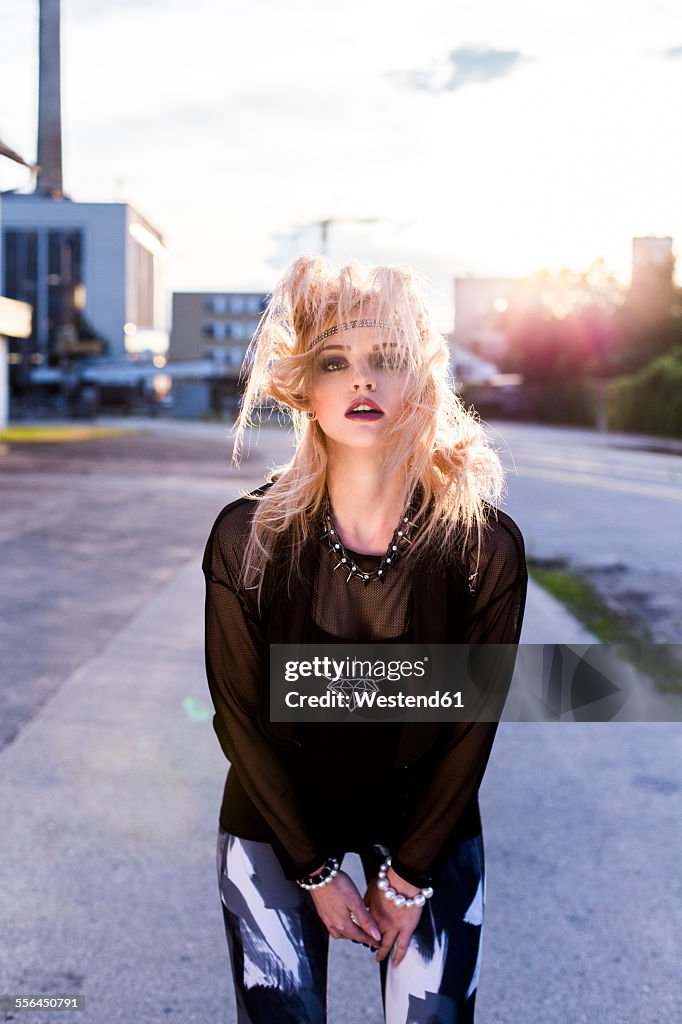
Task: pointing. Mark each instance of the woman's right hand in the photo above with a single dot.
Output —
(335, 902)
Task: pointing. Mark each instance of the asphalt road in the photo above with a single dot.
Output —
(607, 505)
(89, 531)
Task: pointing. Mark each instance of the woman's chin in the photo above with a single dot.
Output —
(358, 442)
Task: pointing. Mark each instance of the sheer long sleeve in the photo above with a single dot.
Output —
(494, 615)
(236, 663)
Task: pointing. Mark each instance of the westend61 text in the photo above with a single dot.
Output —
(371, 699)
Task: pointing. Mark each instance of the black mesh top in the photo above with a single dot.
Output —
(335, 786)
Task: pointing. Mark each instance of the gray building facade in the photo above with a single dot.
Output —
(94, 275)
(215, 324)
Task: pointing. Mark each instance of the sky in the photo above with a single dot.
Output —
(464, 137)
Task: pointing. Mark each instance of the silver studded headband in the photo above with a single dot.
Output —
(346, 327)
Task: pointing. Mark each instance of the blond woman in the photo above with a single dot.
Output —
(382, 527)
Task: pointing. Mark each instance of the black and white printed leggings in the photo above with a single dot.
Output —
(279, 946)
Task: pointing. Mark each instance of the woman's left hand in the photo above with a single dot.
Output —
(396, 924)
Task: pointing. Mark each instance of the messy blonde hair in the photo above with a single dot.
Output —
(434, 445)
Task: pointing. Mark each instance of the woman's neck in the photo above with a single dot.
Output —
(366, 509)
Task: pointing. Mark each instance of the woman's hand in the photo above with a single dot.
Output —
(336, 902)
(397, 924)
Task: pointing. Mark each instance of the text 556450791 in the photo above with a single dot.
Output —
(41, 1002)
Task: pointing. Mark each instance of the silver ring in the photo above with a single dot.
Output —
(354, 919)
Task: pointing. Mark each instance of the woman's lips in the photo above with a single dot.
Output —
(364, 409)
(374, 414)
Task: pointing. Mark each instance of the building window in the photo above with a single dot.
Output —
(240, 330)
(216, 304)
(20, 264)
(219, 330)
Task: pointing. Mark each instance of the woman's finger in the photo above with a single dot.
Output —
(346, 929)
(360, 916)
(387, 940)
(401, 947)
(353, 932)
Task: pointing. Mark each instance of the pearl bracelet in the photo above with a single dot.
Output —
(396, 897)
(326, 875)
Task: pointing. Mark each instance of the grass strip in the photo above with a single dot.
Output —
(30, 434)
(577, 594)
(659, 661)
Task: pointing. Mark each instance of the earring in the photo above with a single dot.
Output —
(311, 414)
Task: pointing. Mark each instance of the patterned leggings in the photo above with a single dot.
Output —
(279, 946)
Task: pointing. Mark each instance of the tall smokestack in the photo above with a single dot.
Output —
(49, 181)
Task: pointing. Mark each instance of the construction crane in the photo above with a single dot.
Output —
(324, 226)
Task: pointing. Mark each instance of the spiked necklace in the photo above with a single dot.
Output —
(344, 561)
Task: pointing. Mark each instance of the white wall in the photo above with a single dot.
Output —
(104, 227)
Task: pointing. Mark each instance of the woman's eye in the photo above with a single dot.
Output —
(390, 362)
(334, 364)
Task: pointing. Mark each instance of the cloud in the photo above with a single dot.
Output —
(86, 9)
(462, 66)
(674, 53)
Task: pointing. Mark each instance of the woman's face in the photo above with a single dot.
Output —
(354, 368)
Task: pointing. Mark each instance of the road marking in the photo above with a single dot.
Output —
(646, 491)
(625, 470)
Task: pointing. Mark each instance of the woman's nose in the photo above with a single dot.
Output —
(362, 374)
